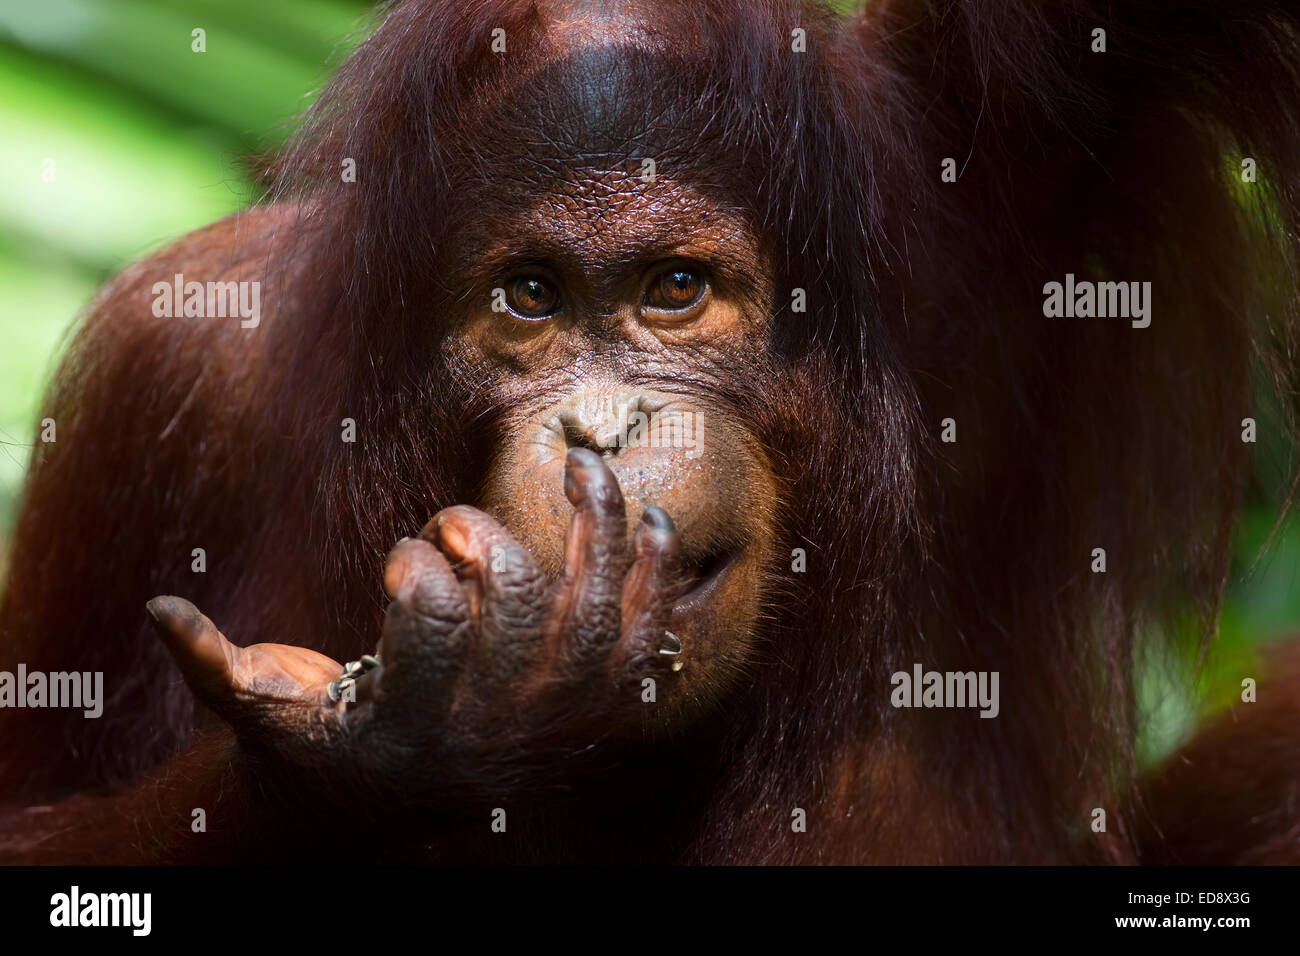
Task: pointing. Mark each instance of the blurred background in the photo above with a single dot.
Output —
(116, 137)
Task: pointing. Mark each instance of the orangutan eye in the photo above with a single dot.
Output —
(533, 298)
(677, 290)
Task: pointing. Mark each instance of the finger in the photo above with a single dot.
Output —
(648, 594)
(507, 591)
(587, 608)
(402, 566)
(427, 630)
(206, 659)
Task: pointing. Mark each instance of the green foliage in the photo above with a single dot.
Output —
(148, 139)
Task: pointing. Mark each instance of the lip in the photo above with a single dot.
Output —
(707, 586)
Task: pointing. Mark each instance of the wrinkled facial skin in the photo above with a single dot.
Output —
(610, 369)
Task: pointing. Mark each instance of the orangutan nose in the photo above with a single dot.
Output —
(656, 446)
(601, 422)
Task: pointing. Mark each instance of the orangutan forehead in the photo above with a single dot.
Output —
(605, 117)
(596, 217)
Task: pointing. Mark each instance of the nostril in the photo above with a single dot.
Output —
(575, 437)
(578, 435)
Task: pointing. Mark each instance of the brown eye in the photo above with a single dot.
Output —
(534, 298)
(676, 290)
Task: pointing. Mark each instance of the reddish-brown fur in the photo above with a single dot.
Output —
(924, 303)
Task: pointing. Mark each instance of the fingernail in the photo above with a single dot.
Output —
(656, 518)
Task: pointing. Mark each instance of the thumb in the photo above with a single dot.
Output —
(205, 657)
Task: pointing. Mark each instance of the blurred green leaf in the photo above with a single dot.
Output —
(262, 60)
